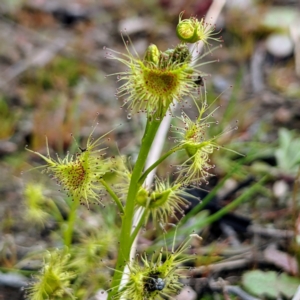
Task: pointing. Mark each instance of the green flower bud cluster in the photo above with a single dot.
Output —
(192, 30)
(157, 80)
(177, 56)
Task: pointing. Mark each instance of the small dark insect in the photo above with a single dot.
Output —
(154, 284)
(82, 149)
(160, 284)
(199, 81)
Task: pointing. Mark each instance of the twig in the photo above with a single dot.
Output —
(230, 233)
(230, 289)
(271, 232)
(228, 265)
(236, 290)
(256, 69)
(222, 266)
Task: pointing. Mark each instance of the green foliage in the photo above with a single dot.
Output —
(287, 16)
(287, 154)
(270, 284)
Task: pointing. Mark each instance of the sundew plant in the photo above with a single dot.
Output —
(152, 85)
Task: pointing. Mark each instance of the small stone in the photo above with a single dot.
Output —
(187, 293)
(280, 188)
(13, 280)
(7, 147)
(280, 45)
(100, 295)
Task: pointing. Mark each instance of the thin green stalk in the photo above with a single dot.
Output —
(113, 195)
(154, 165)
(68, 234)
(139, 225)
(235, 203)
(125, 240)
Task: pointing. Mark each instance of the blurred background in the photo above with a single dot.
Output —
(53, 82)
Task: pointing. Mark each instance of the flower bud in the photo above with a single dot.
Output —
(164, 201)
(187, 29)
(142, 197)
(190, 149)
(152, 54)
(192, 30)
(181, 54)
(159, 198)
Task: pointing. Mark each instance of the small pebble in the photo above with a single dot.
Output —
(279, 45)
(280, 188)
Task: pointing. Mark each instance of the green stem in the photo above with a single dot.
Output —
(68, 234)
(113, 195)
(125, 238)
(229, 207)
(139, 225)
(154, 165)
